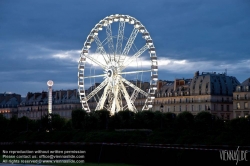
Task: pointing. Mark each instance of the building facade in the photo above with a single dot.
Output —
(241, 100)
(219, 94)
(35, 105)
(206, 91)
(9, 104)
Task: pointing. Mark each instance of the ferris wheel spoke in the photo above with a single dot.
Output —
(120, 39)
(136, 55)
(130, 104)
(94, 76)
(95, 61)
(101, 102)
(110, 41)
(101, 48)
(134, 87)
(130, 41)
(97, 89)
(133, 72)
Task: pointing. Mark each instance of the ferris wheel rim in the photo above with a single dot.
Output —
(93, 36)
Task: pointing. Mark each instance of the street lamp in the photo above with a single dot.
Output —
(50, 84)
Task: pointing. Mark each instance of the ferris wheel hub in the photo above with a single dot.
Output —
(109, 73)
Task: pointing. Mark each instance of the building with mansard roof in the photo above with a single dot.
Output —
(241, 100)
(206, 91)
(9, 103)
(35, 105)
(217, 93)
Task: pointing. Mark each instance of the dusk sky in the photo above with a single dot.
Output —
(41, 39)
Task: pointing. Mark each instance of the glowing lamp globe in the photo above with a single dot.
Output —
(50, 83)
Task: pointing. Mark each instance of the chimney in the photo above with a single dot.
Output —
(18, 98)
(36, 95)
(60, 95)
(75, 92)
(159, 84)
(29, 95)
(44, 95)
(1, 97)
(69, 92)
(196, 74)
(8, 97)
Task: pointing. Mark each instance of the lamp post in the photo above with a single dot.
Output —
(50, 84)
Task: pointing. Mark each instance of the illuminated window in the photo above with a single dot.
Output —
(238, 105)
(245, 105)
(238, 88)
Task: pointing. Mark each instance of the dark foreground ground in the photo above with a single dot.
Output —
(134, 155)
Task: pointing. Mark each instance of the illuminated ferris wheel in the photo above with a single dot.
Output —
(118, 64)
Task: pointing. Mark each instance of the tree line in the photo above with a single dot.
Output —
(166, 127)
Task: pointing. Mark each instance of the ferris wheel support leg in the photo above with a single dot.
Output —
(115, 105)
(130, 104)
(102, 99)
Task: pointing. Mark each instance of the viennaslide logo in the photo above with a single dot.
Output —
(234, 155)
